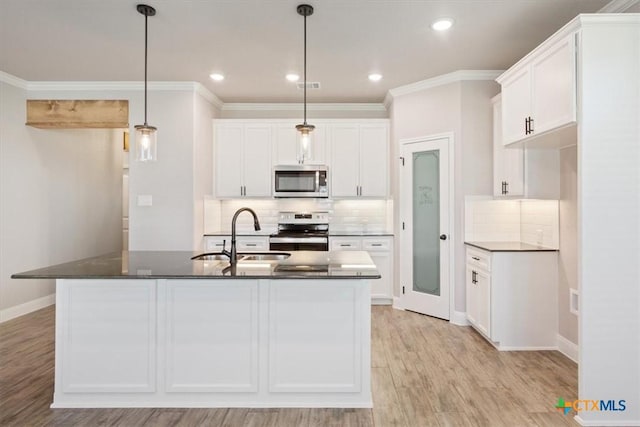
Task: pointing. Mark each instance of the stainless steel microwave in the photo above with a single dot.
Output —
(301, 181)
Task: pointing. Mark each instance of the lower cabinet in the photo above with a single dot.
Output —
(512, 297)
(380, 249)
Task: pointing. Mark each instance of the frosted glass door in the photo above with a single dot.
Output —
(425, 209)
(426, 222)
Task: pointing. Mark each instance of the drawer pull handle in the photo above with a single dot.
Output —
(376, 244)
(345, 244)
(250, 244)
(476, 258)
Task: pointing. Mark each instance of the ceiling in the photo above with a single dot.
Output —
(254, 43)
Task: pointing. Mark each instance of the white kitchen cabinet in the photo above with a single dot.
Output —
(380, 250)
(508, 162)
(359, 160)
(539, 92)
(512, 297)
(478, 286)
(243, 243)
(286, 145)
(242, 160)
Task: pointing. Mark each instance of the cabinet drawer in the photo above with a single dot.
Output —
(213, 244)
(479, 259)
(346, 244)
(253, 244)
(376, 245)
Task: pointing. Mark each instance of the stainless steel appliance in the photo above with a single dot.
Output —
(301, 232)
(301, 181)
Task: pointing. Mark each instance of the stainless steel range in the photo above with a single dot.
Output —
(299, 231)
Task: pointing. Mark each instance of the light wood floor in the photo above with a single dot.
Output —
(426, 372)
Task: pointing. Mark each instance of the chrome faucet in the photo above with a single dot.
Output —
(233, 255)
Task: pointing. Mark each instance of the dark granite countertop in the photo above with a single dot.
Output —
(174, 265)
(509, 247)
(267, 233)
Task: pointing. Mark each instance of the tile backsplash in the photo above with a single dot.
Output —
(344, 215)
(529, 221)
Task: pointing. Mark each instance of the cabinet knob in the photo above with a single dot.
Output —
(443, 237)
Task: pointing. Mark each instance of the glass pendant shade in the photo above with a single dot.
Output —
(146, 143)
(305, 142)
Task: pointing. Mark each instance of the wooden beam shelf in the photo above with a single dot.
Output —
(77, 114)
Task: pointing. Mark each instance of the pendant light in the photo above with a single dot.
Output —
(305, 130)
(146, 143)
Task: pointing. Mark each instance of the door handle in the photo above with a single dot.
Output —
(443, 237)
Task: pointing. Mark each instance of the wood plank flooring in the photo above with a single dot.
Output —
(426, 372)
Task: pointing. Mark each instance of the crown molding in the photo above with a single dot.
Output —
(282, 106)
(617, 6)
(111, 86)
(444, 79)
(208, 95)
(13, 80)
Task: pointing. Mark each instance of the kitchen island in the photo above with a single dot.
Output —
(157, 329)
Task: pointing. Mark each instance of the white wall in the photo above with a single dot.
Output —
(568, 255)
(609, 209)
(463, 108)
(60, 199)
(179, 113)
(202, 164)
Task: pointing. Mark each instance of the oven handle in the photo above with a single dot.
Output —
(298, 240)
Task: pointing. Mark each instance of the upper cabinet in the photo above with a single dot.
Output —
(359, 160)
(355, 151)
(539, 92)
(242, 160)
(508, 162)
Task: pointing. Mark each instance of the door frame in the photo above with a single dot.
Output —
(452, 219)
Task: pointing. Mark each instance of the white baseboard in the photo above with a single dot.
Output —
(605, 423)
(26, 308)
(459, 318)
(568, 348)
(397, 303)
(381, 301)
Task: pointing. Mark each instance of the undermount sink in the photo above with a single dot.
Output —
(263, 257)
(243, 256)
(211, 257)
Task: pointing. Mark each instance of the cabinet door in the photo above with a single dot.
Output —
(374, 142)
(516, 105)
(472, 298)
(345, 160)
(382, 287)
(228, 161)
(257, 161)
(554, 86)
(286, 138)
(483, 302)
(319, 146)
(508, 162)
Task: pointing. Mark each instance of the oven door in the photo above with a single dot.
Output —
(298, 243)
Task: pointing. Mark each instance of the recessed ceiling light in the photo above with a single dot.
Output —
(442, 24)
(217, 77)
(293, 77)
(375, 77)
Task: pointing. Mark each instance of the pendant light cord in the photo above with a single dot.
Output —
(146, 17)
(305, 69)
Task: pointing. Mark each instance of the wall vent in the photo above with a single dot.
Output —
(310, 85)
